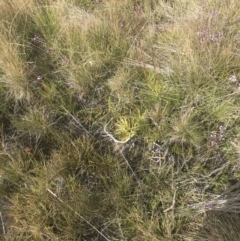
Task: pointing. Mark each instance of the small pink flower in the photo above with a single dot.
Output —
(214, 37)
(139, 11)
(222, 129)
(233, 79)
(36, 37)
(213, 134)
(214, 13)
(39, 77)
(221, 137)
(64, 60)
(49, 50)
(209, 206)
(70, 85)
(213, 144)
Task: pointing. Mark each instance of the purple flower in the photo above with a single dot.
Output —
(214, 144)
(209, 206)
(64, 60)
(214, 37)
(36, 37)
(70, 85)
(222, 129)
(214, 134)
(233, 79)
(49, 50)
(39, 77)
(221, 137)
(138, 11)
(214, 13)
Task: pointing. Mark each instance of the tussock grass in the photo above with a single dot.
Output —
(119, 120)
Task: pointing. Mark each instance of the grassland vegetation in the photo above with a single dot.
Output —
(119, 120)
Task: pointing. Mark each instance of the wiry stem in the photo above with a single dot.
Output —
(112, 137)
(3, 226)
(173, 202)
(148, 66)
(60, 200)
(76, 121)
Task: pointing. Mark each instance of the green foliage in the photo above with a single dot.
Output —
(119, 120)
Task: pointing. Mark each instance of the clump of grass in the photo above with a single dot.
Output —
(119, 120)
(219, 226)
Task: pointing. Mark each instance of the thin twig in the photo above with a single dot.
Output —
(74, 118)
(148, 66)
(173, 202)
(121, 152)
(112, 137)
(60, 200)
(3, 226)
(215, 171)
